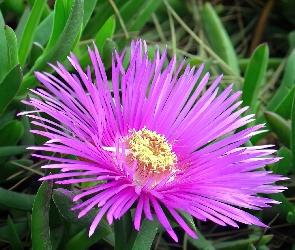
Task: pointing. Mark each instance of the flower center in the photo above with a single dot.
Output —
(152, 153)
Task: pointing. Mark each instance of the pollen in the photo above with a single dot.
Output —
(152, 151)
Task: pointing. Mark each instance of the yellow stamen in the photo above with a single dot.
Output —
(151, 150)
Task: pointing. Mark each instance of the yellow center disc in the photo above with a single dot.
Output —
(151, 150)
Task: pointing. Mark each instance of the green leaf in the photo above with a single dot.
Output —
(82, 240)
(218, 37)
(63, 200)
(143, 239)
(293, 134)
(254, 77)
(61, 47)
(291, 216)
(15, 241)
(40, 217)
(16, 200)
(285, 106)
(279, 126)
(7, 117)
(21, 229)
(36, 51)
(282, 166)
(123, 230)
(89, 7)
(13, 150)
(29, 31)
(44, 30)
(40, 140)
(4, 65)
(62, 12)
(10, 133)
(11, 47)
(201, 242)
(46, 10)
(9, 86)
(285, 208)
(21, 24)
(286, 84)
(27, 138)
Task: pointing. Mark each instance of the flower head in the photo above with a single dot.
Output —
(149, 141)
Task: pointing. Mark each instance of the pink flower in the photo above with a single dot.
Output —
(148, 144)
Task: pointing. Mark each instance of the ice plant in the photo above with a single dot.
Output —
(148, 143)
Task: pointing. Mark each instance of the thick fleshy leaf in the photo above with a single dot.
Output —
(254, 77)
(143, 239)
(4, 65)
(82, 241)
(13, 150)
(285, 207)
(279, 126)
(61, 45)
(62, 12)
(10, 134)
(287, 83)
(9, 86)
(21, 229)
(29, 31)
(7, 117)
(63, 199)
(27, 138)
(123, 230)
(22, 23)
(285, 106)
(89, 7)
(15, 241)
(280, 100)
(201, 242)
(282, 167)
(36, 51)
(44, 29)
(40, 230)
(293, 133)
(218, 37)
(11, 47)
(16, 200)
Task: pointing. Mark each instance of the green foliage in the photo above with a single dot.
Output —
(254, 77)
(218, 37)
(9, 87)
(40, 217)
